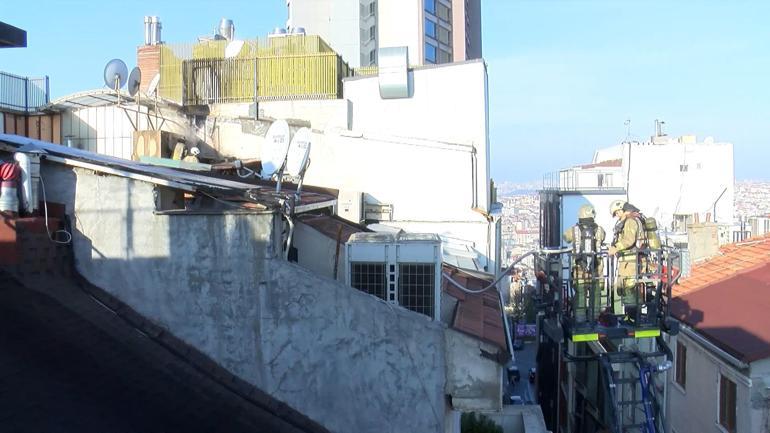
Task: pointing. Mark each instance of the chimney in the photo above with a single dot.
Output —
(702, 240)
(148, 55)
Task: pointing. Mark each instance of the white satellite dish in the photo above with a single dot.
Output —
(274, 149)
(134, 79)
(153, 86)
(115, 74)
(233, 48)
(299, 151)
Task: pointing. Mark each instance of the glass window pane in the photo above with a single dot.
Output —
(430, 53)
(444, 36)
(430, 6)
(443, 13)
(430, 28)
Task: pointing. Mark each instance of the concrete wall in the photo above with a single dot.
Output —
(316, 252)
(342, 357)
(474, 382)
(400, 25)
(336, 21)
(701, 393)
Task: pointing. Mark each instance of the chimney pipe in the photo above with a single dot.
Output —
(152, 27)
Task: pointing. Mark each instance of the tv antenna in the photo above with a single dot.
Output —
(628, 129)
(298, 157)
(274, 151)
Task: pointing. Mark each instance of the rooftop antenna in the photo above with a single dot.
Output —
(298, 157)
(115, 75)
(274, 151)
(628, 129)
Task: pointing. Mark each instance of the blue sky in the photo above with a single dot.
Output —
(563, 75)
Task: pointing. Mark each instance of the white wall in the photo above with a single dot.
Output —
(440, 109)
(336, 21)
(701, 393)
(400, 25)
(660, 189)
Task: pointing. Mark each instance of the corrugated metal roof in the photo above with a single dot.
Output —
(164, 175)
(479, 315)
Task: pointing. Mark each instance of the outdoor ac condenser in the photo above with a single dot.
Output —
(403, 269)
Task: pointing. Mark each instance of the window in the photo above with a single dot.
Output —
(373, 57)
(430, 53)
(727, 403)
(372, 8)
(430, 6)
(372, 33)
(430, 28)
(416, 282)
(444, 56)
(444, 36)
(369, 278)
(680, 374)
(683, 168)
(443, 13)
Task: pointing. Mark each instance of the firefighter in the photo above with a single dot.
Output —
(628, 240)
(587, 268)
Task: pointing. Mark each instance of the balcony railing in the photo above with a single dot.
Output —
(584, 180)
(23, 94)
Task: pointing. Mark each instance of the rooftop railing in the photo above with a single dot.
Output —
(583, 180)
(23, 94)
(290, 67)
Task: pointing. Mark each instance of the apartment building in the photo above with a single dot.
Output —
(435, 31)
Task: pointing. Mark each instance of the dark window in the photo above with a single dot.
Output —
(444, 36)
(372, 57)
(430, 28)
(430, 6)
(444, 13)
(683, 168)
(416, 282)
(444, 56)
(680, 374)
(727, 403)
(372, 8)
(372, 32)
(369, 278)
(430, 53)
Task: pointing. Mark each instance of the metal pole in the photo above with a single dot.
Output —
(26, 95)
(47, 90)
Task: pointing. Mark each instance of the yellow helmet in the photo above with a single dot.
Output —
(616, 206)
(586, 211)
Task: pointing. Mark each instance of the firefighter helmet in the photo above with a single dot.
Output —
(586, 211)
(616, 206)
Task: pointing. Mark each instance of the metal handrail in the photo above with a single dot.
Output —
(23, 94)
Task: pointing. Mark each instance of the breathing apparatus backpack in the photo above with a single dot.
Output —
(650, 228)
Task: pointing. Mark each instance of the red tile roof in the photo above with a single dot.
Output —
(732, 259)
(479, 315)
(732, 313)
(727, 299)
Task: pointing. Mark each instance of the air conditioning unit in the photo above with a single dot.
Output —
(403, 269)
(153, 143)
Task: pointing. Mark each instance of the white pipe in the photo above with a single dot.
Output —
(25, 164)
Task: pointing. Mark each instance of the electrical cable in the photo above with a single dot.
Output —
(505, 272)
(47, 229)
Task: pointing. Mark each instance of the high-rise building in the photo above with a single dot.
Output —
(435, 31)
(348, 26)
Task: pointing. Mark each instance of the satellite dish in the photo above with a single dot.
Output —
(233, 48)
(153, 86)
(274, 149)
(134, 79)
(299, 150)
(115, 74)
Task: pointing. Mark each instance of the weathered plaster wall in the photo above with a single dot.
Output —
(342, 357)
(473, 382)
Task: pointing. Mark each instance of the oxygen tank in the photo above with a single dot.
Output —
(651, 230)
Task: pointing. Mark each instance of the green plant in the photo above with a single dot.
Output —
(473, 423)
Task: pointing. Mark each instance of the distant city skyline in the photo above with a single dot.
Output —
(564, 76)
